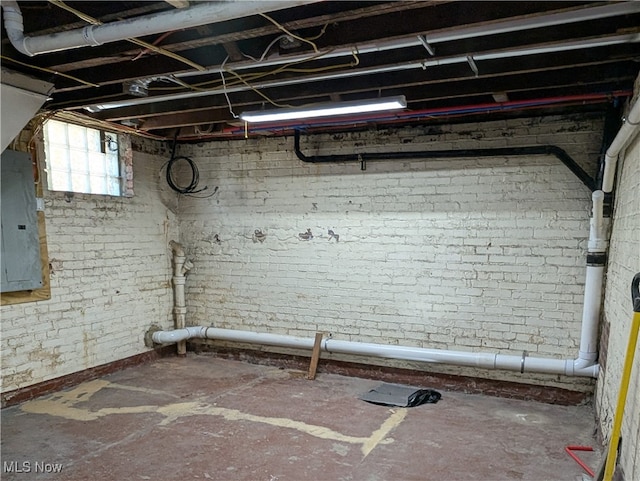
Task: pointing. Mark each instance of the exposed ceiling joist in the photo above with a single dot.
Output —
(438, 54)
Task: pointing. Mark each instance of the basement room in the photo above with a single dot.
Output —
(304, 240)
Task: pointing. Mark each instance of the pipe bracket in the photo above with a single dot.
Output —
(524, 355)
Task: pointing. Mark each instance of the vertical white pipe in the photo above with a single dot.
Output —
(591, 315)
(596, 260)
(180, 268)
(626, 133)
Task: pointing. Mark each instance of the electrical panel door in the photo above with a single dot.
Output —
(20, 255)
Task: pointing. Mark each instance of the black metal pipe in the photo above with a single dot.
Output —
(557, 152)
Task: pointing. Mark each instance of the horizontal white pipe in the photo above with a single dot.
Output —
(546, 48)
(199, 14)
(455, 33)
(625, 135)
(459, 358)
(529, 22)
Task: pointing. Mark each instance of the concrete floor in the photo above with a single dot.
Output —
(212, 419)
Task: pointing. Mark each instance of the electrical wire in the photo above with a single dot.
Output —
(141, 43)
(48, 70)
(291, 34)
(155, 43)
(224, 89)
(286, 68)
(192, 187)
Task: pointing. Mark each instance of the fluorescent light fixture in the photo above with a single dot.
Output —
(326, 110)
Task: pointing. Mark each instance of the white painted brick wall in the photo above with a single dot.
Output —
(471, 254)
(624, 263)
(110, 280)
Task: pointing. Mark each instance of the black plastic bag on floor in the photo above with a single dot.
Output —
(398, 395)
(424, 396)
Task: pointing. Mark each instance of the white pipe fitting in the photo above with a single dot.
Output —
(405, 353)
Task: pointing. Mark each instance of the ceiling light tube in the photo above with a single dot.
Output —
(326, 110)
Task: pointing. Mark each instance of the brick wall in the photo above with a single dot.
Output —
(467, 254)
(624, 263)
(110, 279)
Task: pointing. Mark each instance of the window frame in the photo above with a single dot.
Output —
(91, 158)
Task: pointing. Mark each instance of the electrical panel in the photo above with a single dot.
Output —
(20, 256)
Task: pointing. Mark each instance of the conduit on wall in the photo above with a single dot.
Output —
(553, 150)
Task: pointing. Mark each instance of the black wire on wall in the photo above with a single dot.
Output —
(192, 186)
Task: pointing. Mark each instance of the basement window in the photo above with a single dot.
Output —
(81, 159)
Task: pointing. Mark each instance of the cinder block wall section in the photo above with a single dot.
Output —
(624, 263)
(110, 279)
(480, 254)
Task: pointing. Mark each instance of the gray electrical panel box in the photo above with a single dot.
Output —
(20, 255)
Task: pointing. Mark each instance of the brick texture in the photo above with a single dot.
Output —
(477, 254)
(110, 280)
(624, 263)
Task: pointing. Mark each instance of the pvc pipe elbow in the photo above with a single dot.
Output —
(14, 25)
(585, 368)
(177, 248)
(186, 267)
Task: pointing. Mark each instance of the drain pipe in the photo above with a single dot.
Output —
(180, 267)
(201, 13)
(599, 243)
(458, 358)
(596, 261)
(626, 133)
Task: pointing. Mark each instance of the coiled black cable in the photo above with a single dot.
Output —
(192, 187)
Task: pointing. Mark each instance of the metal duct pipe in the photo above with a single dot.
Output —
(199, 14)
(567, 367)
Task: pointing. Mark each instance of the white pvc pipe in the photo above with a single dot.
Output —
(199, 14)
(591, 314)
(522, 363)
(625, 135)
(530, 22)
(180, 267)
(597, 235)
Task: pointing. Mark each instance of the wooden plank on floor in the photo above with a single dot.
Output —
(315, 356)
